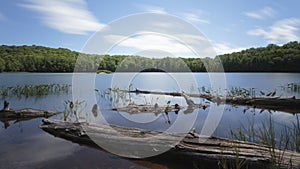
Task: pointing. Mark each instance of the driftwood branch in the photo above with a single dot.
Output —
(192, 145)
(7, 114)
(156, 109)
(291, 105)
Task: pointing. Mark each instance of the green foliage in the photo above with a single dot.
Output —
(2, 65)
(273, 58)
(36, 59)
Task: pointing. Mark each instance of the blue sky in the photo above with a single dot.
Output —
(229, 25)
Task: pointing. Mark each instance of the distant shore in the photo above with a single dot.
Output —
(272, 58)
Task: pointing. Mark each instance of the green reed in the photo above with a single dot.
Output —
(287, 138)
(291, 87)
(34, 90)
(74, 111)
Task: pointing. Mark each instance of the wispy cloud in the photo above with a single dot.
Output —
(69, 16)
(152, 9)
(2, 17)
(179, 45)
(223, 48)
(151, 41)
(261, 13)
(281, 31)
(164, 25)
(194, 18)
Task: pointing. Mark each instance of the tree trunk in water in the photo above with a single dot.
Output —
(191, 145)
(290, 105)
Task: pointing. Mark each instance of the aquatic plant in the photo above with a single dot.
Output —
(295, 135)
(288, 138)
(291, 87)
(34, 90)
(74, 109)
(236, 163)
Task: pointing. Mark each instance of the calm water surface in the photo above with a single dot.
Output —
(24, 145)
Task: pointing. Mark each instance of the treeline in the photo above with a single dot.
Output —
(36, 59)
(273, 58)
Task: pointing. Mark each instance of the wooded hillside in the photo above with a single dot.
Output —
(273, 58)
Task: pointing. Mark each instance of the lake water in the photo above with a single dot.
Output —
(25, 145)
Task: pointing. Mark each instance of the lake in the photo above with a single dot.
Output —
(25, 145)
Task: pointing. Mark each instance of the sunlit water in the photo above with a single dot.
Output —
(24, 145)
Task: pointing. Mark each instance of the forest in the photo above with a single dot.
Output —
(272, 58)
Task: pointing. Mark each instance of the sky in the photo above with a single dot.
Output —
(229, 26)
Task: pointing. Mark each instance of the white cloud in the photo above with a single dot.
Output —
(190, 38)
(281, 31)
(223, 48)
(179, 45)
(164, 25)
(151, 41)
(69, 16)
(261, 14)
(152, 9)
(194, 18)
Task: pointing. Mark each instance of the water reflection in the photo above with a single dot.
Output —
(23, 141)
(6, 121)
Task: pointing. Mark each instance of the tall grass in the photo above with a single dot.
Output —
(236, 163)
(34, 90)
(287, 138)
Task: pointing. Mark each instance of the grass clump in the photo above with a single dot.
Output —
(34, 90)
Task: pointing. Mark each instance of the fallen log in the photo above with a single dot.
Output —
(156, 109)
(7, 114)
(125, 140)
(136, 109)
(290, 105)
(26, 113)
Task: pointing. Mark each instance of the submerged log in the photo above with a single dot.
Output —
(191, 145)
(134, 108)
(291, 105)
(7, 114)
(156, 109)
(26, 113)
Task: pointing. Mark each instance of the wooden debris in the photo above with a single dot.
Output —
(133, 108)
(156, 109)
(7, 114)
(290, 105)
(26, 113)
(192, 145)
